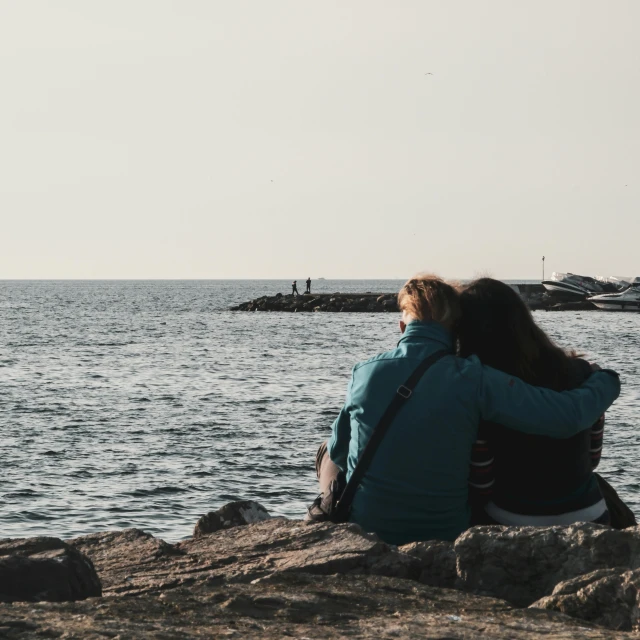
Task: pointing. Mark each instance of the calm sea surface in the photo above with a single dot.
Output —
(147, 403)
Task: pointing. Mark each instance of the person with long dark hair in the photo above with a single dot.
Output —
(528, 479)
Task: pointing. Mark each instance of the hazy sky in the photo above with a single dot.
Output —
(286, 138)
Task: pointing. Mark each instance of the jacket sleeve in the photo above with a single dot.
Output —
(511, 402)
(338, 445)
(579, 371)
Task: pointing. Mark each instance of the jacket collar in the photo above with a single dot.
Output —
(430, 330)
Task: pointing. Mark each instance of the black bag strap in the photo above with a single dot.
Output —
(403, 393)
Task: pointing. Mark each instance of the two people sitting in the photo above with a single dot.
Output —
(506, 428)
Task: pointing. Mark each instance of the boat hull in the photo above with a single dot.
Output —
(563, 289)
(629, 305)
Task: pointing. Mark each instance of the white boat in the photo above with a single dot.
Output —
(627, 300)
(571, 285)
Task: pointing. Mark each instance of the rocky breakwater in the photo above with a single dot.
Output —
(534, 295)
(278, 578)
(334, 302)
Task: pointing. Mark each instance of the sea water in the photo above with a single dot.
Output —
(148, 403)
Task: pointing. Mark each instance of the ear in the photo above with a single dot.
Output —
(403, 326)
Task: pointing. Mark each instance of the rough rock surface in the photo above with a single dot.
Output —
(134, 562)
(280, 578)
(234, 514)
(437, 562)
(120, 555)
(524, 564)
(609, 597)
(34, 569)
(287, 605)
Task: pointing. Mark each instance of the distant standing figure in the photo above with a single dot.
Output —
(294, 288)
(308, 285)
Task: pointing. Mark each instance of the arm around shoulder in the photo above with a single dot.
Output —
(538, 411)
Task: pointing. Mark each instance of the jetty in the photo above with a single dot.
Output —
(533, 294)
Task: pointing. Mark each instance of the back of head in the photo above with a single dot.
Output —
(497, 326)
(427, 297)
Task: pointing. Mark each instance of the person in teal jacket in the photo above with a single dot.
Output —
(416, 487)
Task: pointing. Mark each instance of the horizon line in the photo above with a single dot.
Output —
(6, 280)
(224, 279)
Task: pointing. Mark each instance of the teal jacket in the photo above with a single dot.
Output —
(416, 486)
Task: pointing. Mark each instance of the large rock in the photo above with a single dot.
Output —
(287, 605)
(247, 553)
(437, 562)
(133, 562)
(524, 564)
(609, 597)
(35, 569)
(120, 555)
(234, 514)
(519, 564)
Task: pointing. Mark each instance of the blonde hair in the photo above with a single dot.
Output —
(427, 297)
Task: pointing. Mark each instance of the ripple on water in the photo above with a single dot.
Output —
(141, 493)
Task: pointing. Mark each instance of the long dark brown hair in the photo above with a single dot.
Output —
(497, 326)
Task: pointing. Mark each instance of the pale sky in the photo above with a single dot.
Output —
(286, 138)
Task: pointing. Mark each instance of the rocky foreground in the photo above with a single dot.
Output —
(279, 578)
(533, 295)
